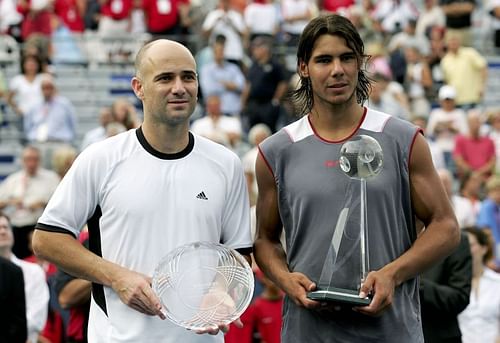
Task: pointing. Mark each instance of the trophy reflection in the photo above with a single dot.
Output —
(347, 261)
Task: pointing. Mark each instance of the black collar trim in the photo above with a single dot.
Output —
(164, 156)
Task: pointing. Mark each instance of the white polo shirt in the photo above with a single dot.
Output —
(140, 204)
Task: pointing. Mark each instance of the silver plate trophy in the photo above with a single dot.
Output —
(202, 285)
(347, 261)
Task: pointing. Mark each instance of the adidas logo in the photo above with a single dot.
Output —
(202, 196)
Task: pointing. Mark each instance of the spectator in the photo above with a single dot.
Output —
(23, 196)
(431, 16)
(445, 123)
(463, 208)
(437, 52)
(479, 321)
(265, 86)
(295, 16)
(37, 15)
(465, 70)
(488, 218)
(35, 286)
(62, 159)
(223, 79)
(227, 22)
(458, 15)
(333, 6)
(25, 89)
(217, 126)
(418, 81)
(436, 151)
(71, 14)
(383, 99)
(124, 112)
(256, 135)
(50, 123)
(167, 17)
(474, 152)
(115, 18)
(98, 133)
(262, 319)
(471, 189)
(262, 18)
(13, 327)
(394, 14)
(493, 117)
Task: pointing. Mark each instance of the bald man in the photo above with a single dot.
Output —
(143, 193)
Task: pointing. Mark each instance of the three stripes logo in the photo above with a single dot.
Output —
(202, 196)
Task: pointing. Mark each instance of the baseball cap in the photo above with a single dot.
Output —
(447, 92)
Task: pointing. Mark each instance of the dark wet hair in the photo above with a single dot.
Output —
(332, 24)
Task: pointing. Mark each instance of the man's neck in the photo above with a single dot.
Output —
(336, 122)
(166, 139)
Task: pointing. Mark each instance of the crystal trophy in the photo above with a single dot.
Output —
(202, 285)
(347, 261)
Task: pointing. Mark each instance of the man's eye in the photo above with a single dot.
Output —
(347, 58)
(190, 77)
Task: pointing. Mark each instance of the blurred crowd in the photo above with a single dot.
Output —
(425, 65)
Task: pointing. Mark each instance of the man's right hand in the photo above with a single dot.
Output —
(297, 286)
(134, 290)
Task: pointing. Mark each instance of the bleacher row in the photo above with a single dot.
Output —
(89, 89)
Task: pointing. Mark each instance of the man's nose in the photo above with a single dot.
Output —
(178, 87)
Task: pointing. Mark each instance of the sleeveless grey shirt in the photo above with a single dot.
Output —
(312, 191)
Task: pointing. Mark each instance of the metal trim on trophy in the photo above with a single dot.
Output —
(347, 261)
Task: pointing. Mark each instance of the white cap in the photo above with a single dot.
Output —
(447, 92)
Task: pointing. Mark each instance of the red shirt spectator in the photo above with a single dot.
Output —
(335, 5)
(117, 9)
(37, 15)
(70, 12)
(162, 15)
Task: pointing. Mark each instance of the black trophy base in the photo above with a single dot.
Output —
(339, 295)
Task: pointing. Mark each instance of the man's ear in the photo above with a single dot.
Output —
(303, 70)
(137, 87)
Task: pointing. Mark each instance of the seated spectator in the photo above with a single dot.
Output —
(35, 286)
(256, 135)
(98, 133)
(474, 152)
(216, 126)
(479, 321)
(23, 196)
(394, 14)
(431, 15)
(488, 218)
(383, 99)
(445, 123)
(51, 123)
(493, 115)
(124, 112)
(464, 210)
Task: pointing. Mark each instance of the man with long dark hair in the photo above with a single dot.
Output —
(302, 189)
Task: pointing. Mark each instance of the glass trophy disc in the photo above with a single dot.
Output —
(202, 285)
